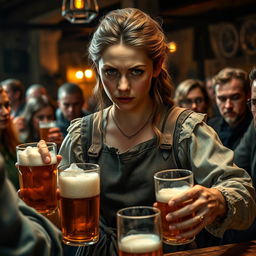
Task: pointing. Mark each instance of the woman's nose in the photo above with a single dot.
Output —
(123, 84)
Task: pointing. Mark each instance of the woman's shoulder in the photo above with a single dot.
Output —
(76, 123)
(80, 124)
(192, 121)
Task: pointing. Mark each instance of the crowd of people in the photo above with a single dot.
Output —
(136, 99)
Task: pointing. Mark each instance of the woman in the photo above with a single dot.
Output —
(38, 109)
(192, 94)
(128, 50)
(8, 138)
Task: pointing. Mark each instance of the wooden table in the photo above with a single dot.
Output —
(239, 249)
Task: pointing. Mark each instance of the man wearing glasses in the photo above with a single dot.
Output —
(245, 153)
(232, 89)
(245, 157)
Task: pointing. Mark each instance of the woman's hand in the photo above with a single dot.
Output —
(55, 135)
(206, 205)
(45, 154)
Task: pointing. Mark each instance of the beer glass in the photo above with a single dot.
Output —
(38, 181)
(169, 183)
(79, 186)
(44, 127)
(139, 231)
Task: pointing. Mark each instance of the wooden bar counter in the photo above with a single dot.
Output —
(239, 249)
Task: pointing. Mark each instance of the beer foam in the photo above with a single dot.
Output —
(165, 194)
(140, 243)
(73, 167)
(79, 184)
(31, 157)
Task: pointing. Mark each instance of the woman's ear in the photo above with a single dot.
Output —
(158, 67)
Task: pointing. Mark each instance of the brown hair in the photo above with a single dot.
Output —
(227, 74)
(135, 29)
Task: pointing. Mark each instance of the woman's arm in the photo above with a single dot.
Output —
(212, 164)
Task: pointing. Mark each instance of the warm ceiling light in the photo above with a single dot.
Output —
(172, 47)
(80, 11)
(88, 73)
(79, 74)
(79, 4)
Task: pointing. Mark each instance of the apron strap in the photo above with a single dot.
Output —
(171, 131)
(169, 125)
(97, 131)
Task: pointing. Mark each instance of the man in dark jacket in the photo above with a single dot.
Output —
(245, 157)
(70, 102)
(232, 89)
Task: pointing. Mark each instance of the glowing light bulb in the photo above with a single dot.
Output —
(172, 47)
(79, 4)
(79, 74)
(88, 73)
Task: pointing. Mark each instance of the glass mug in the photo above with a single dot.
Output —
(79, 186)
(44, 127)
(38, 181)
(169, 183)
(139, 231)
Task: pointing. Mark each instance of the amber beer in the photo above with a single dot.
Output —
(140, 245)
(44, 127)
(80, 204)
(163, 196)
(38, 181)
(168, 184)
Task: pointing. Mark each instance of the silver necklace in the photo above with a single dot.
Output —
(134, 134)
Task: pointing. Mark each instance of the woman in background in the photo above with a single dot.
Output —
(8, 138)
(191, 93)
(37, 109)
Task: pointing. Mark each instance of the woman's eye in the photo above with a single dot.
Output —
(110, 72)
(137, 72)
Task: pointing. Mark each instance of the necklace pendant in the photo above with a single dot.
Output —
(134, 134)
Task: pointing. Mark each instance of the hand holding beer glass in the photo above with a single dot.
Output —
(139, 231)
(170, 183)
(38, 181)
(44, 128)
(79, 185)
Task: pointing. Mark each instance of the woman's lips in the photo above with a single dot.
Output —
(124, 99)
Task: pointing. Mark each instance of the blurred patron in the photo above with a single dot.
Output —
(35, 90)
(24, 231)
(8, 138)
(232, 89)
(37, 109)
(245, 157)
(192, 94)
(70, 102)
(209, 85)
(245, 153)
(15, 90)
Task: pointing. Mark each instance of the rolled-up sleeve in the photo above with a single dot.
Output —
(212, 164)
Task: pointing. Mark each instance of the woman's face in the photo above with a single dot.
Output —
(195, 100)
(44, 114)
(126, 74)
(5, 110)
